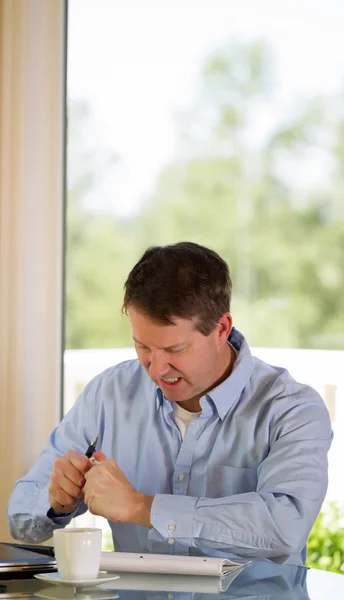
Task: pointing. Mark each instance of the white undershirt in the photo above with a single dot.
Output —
(183, 418)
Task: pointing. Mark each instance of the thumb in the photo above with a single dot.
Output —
(99, 456)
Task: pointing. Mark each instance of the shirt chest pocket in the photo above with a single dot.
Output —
(221, 480)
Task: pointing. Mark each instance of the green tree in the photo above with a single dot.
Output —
(228, 190)
(100, 249)
(235, 185)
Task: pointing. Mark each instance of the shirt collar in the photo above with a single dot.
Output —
(159, 397)
(228, 392)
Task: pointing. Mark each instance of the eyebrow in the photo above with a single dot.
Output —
(160, 348)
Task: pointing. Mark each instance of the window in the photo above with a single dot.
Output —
(216, 122)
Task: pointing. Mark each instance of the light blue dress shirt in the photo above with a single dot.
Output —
(248, 479)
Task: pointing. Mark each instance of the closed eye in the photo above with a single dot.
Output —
(175, 350)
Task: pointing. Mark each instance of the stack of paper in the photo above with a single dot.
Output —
(168, 563)
(172, 583)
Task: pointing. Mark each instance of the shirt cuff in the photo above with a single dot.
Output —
(44, 509)
(61, 519)
(173, 517)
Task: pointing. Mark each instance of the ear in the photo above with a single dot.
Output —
(224, 326)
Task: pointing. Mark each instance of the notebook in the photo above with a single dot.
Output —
(168, 563)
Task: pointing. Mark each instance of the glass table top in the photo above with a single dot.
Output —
(257, 581)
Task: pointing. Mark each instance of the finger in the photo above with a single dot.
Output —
(91, 501)
(79, 461)
(59, 499)
(99, 456)
(97, 470)
(87, 498)
(65, 467)
(59, 481)
(91, 509)
(96, 464)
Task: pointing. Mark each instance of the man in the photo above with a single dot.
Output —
(203, 449)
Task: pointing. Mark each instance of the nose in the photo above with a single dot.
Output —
(158, 366)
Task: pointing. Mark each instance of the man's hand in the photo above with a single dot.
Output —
(66, 482)
(109, 494)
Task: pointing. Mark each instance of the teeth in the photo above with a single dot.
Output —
(172, 379)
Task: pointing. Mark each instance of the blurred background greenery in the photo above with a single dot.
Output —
(284, 243)
(259, 180)
(326, 542)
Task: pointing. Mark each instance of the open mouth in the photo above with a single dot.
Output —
(171, 381)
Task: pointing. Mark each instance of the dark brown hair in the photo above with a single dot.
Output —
(182, 280)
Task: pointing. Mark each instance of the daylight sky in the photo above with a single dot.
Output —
(135, 63)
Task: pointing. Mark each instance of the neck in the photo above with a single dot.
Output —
(193, 404)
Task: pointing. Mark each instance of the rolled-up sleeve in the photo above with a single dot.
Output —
(29, 505)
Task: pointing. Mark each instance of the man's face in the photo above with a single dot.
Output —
(178, 358)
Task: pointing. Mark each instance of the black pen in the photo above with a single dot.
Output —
(91, 449)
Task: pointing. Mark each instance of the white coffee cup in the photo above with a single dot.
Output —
(77, 552)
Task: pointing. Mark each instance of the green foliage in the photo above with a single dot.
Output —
(236, 189)
(107, 542)
(283, 240)
(99, 260)
(100, 249)
(326, 542)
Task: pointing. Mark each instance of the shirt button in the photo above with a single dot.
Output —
(181, 476)
(170, 596)
(171, 527)
(170, 541)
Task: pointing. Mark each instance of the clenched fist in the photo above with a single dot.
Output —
(109, 494)
(67, 480)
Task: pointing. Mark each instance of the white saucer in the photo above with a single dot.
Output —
(63, 592)
(55, 579)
